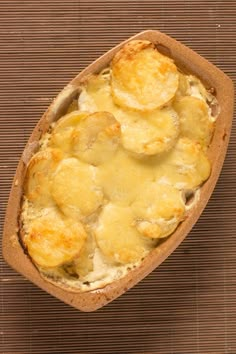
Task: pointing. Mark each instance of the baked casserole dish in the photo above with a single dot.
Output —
(118, 170)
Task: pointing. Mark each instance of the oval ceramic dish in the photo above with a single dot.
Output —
(189, 62)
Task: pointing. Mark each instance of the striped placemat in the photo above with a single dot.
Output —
(186, 306)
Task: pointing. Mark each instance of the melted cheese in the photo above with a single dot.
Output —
(149, 133)
(123, 177)
(96, 94)
(158, 210)
(111, 178)
(96, 139)
(195, 122)
(52, 240)
(146, 133)
(185, 167)
(64, 129)
(117, 236)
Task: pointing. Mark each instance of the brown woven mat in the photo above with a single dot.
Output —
(186, 306)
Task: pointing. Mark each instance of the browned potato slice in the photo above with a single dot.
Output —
(195, 122)
(117, 236)
(39, 175)
(53, 240)
(75, 188)
(145, 133)
(158, 209)
(142, 78)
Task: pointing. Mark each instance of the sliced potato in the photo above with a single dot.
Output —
(122, 179)
(194, 118)
(184, 167)
(54, 240)
(64, 128)
(75, 189)
(117, 236)
(158, 209)
(149, 133)
(142, 78)
(96, 139)
(39, 175)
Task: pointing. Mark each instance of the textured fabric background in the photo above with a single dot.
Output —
(186, 306)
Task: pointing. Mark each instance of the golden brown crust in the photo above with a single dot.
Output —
(142, 78)
(52, 240)
(130, 49)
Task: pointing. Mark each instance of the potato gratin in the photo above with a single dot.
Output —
(115, 174)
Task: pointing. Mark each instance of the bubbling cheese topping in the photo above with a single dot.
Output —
(110, 178)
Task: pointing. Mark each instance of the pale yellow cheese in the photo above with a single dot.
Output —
(158, 209)
(184, 88)
(96, 95)
(64, 129)
(184, 167)
(149, 133)
(195, 122)
(53, 240)
(145, 133)
(122, 178)
(117, 236)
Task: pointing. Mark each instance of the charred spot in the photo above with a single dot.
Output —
(189, 196)
(69, 270)
(212, 91)
(224, 136)
(86, 283)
